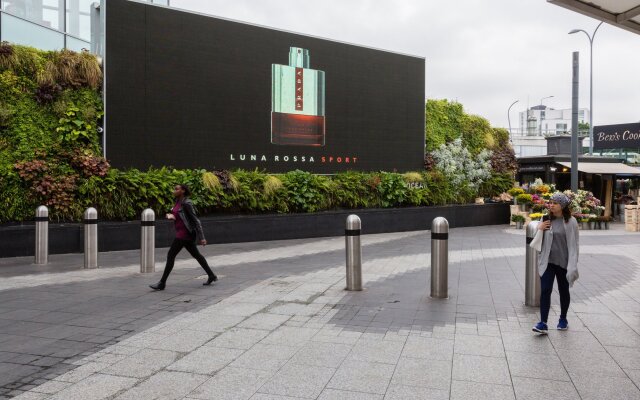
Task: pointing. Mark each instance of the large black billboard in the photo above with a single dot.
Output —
(193, 91)
(619, 136)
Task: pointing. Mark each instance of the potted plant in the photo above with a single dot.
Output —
(592, 221)
(514, 192)
(536, 216)
(518, 219)
(604, 222)
(524, 200)
(584, 221)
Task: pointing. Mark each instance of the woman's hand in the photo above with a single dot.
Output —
(203, 242)
(170, 216)
(543, 226)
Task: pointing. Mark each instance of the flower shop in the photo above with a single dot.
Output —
(531, 203)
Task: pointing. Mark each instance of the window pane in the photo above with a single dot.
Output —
(79, 18)
(18, 31)
(44, 12)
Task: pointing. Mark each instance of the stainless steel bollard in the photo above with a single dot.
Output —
(354, 253)
(440, 258)
(91, 238)
(42, 235)
(148, 241)
(532, 278)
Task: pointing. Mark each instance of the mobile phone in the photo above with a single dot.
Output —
(545, 218)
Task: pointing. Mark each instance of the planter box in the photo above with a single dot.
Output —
(18, 240)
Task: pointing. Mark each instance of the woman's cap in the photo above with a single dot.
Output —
(561, 199)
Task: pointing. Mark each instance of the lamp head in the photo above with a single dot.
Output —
(574, 31)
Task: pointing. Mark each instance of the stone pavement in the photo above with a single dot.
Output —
(279, 325)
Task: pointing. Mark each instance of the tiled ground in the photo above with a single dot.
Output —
(279, 325)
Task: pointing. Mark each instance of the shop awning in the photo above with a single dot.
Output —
(624, 14)
(604, 168)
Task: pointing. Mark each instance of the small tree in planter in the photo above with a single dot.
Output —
(518, 219)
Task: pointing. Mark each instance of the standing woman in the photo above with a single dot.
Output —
(188, 228)
(558, 259)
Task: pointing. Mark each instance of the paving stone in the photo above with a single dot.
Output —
(266, 357)
(242, 309)
(142, 364)
(626, 357)
(82, 372)
(598, 387)
(231, 383)
(464, 390)
(32, 396)
(527, 343)
(586, 362)
(402, 392)
(264, 321)
(535, 389)
(169, 385)
(361, 376)
(290, 336)
(238, 338)
(429, 348)
(634, 374)
(183, 341)
(51, 387)
(297, 380)
(422, 372)
(531, 365)
(206, 360)
(479, 345)
(262, 396)
(216, 323)
(480, 369)
(95, 387)
(322, 354)
(376, 351)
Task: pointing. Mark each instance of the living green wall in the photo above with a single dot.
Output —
(50, 108)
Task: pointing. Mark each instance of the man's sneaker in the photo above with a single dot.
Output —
(563, 324)
(541, 327)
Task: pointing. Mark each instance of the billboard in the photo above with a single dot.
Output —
(193, 91)
(619, 136)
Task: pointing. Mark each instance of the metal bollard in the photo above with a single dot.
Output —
(42, 235)
(91, 238)
(148, 241)
(532, 278)
(440, 258)
(354, 253)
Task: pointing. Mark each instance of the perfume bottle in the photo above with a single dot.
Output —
(297, 102)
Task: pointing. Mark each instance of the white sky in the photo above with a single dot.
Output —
(483, 53)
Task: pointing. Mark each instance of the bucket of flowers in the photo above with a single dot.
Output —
(518, 219)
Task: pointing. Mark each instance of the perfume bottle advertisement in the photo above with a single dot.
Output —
(219, 94)
(297, 102)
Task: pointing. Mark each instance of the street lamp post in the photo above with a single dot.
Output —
(591, 37)
(509, 118)
(548, 97)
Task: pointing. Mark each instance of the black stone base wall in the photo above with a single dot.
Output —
(18, 240)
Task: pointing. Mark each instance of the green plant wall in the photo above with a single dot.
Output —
(50, 108)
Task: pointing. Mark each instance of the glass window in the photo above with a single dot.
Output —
(19, 31)
(44, 12)
(79, 18)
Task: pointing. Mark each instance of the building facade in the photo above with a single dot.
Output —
(51, 24)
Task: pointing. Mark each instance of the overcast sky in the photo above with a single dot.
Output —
(483, 53)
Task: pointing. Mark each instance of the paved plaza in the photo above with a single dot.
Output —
(279, 324)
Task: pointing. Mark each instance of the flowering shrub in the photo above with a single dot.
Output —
(457, 163)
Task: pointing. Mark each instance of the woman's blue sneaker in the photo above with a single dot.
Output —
(541, 327)
(563, 324)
